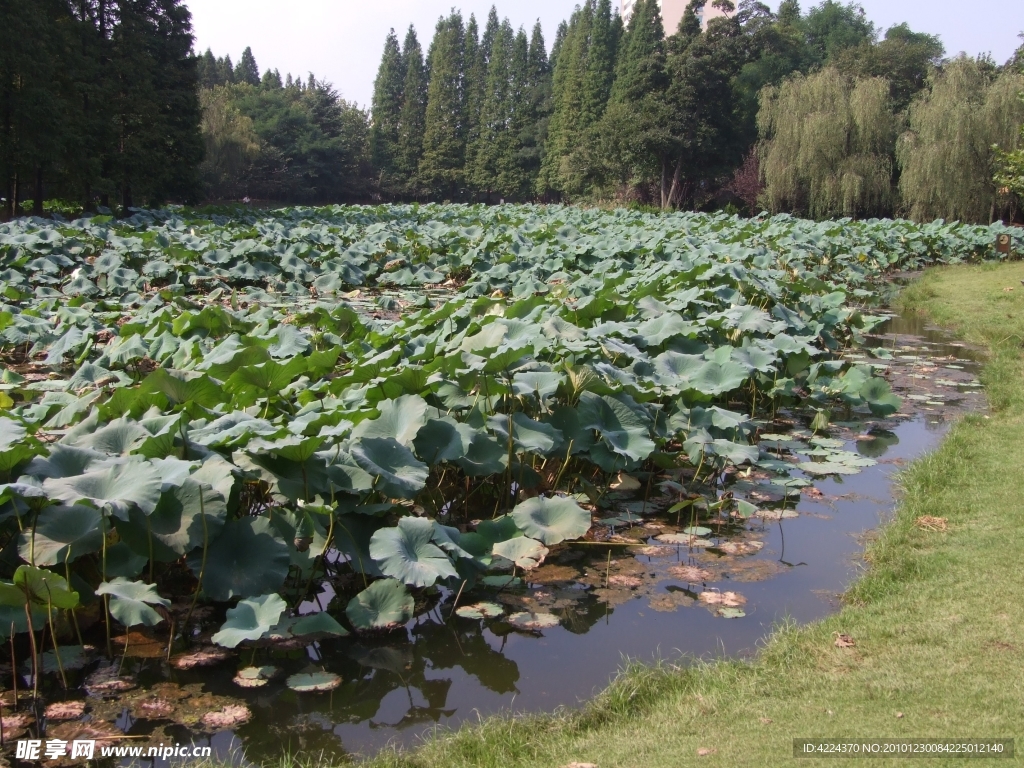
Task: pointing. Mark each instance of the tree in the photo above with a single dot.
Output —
(904, 58)
(600, 65)
(444, 138)
(536, 107)
(827, 145)
(246, 70)
(565, 126)
(232, 145)
(475, 62)
(495, 167)
(413, 118)
(958, 125)
(831, 27)
(387, 111)
(272, 80)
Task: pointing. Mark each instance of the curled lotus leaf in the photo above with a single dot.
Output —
(526, 553)
(131, 602)
(250, 620)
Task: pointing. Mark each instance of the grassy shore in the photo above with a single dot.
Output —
(936, 620)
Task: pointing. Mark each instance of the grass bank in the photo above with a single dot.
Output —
(936, 620)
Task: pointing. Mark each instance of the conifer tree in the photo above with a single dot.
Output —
(444, 138)
(414, 111)
(387, 111)
(246, 70)
(600, 73)
(474, 89)
(495, 166)
(536, 107)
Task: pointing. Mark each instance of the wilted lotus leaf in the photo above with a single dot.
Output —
(153, 708)
(683, 539)
(104, 734)
(106, 681)
(62, 710)
(626, 581)
(526, 553)
(690, 573)
(533, 621)
(139, 645)
(740, 547)
(228, 717)
(551, 520)
(480, 611)
(668, 602)
(204, 657)
(728, 599)
(255, 677)
(314, 682)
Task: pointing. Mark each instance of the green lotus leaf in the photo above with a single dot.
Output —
(551, 521)
(527, 434)
(879, 397)
(407, 553)
(526, 553)
(117, 488)
(399, 419)
(397, 471)
(250, 619)
(443, 439)
(45, 587)
(131, 601)
(181, 389)
(245, 560)
(486, 456)
(176, 526)
(314, 624)
(382, 605)
(619, 425)
(61, 535)
(117, 438)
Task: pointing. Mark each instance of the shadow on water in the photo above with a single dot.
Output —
(443, 670)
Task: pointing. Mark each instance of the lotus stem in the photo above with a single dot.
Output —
(202, 566)
(608, 570)
(14, 670)
(106, 598)
(35, 652)
(127, 639)
(74, 614)
(355, 548)
(53, 638)
(170, 641)
(565, 465)
(456, 603)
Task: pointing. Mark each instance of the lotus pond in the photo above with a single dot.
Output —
(321, 478)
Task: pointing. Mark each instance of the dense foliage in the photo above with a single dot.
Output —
(98, 101)
(233, 404)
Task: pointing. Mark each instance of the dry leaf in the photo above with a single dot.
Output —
(690, 573)
(765, 720)
(230, 716)
(729, 599)
(929, 523)
(630, 582)
(581, 765)
(65, 710)
(843, 641)
(704, 752)
(624, 482)
(899, 715)
(204, 657)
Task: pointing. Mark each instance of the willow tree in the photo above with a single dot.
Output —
(827, 145)
(959, 125)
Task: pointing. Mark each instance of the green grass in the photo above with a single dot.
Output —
(936, 618)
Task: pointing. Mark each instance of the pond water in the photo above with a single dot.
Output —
(624, 595)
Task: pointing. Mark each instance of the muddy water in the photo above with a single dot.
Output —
(616, 601)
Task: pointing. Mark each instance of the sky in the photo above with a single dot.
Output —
(341, 40)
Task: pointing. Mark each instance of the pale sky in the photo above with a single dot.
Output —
(341, 40)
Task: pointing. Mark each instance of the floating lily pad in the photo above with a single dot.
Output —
(731, 613)
(481, 611)
(229, 717)
(255, 677)
(314, 682)
(205, 657)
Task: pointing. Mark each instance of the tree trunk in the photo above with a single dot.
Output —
(37, 200)
(664, 183)
(16, 195)
(673, 193)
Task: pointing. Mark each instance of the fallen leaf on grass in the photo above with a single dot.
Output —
(704, 752)
(1007, 290)
(844, 641)
(765, 720)
(929, 523)
(899, 715)
(581, 765)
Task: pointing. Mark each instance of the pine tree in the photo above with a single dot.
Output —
(227, 71)
(272, 80)
(495, 167)
(246, 70)
(387, 111)
(209, 70)
(474, 89)
(640, 69)
(597, 83)
(444, 137)
(567, 103)
(413, 118)
(536, 107)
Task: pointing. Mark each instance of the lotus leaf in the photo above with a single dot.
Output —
(245, 560)
(397, 471)
(382, 605)
(407, 553)
(131, 601)
(61, 534)
(314, 682)
(116, 488)
(551, 520)
(250, 619)
(525, 553)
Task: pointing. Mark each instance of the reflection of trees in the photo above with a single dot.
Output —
(461, 643)
(881, 441)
